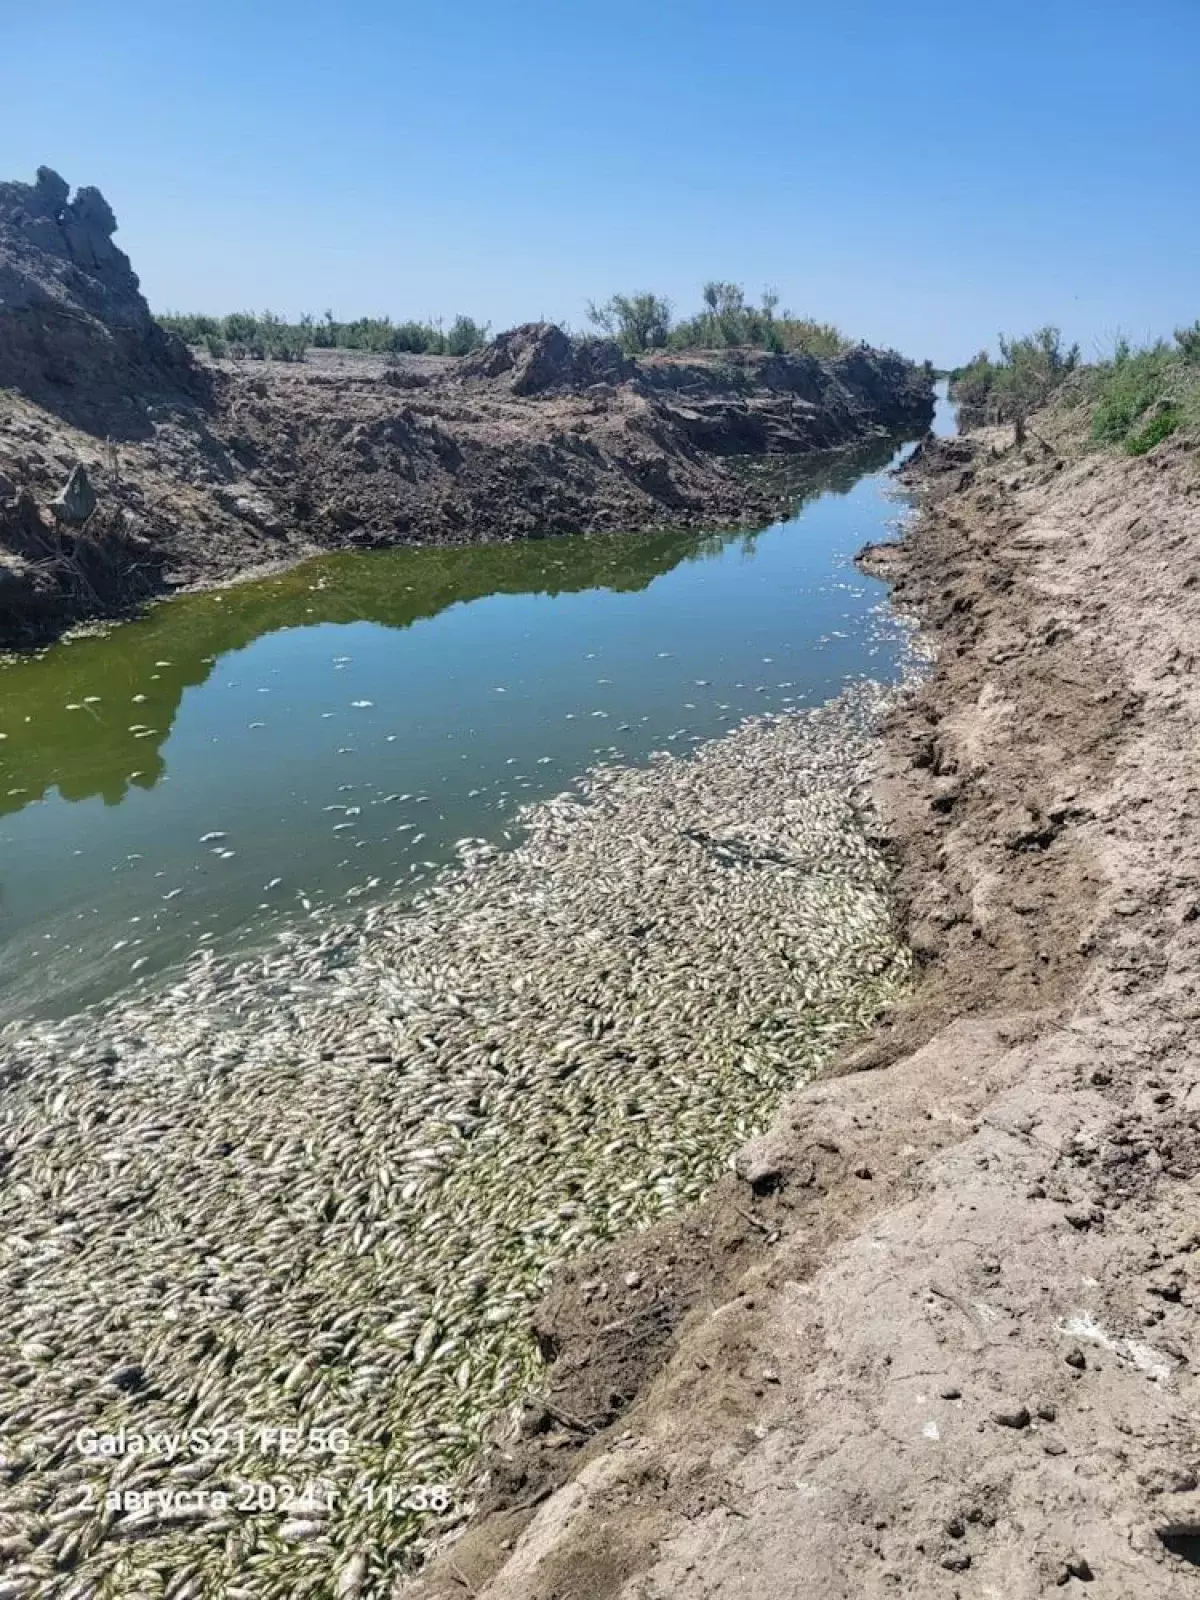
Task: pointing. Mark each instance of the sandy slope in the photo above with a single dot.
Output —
(941, 1338)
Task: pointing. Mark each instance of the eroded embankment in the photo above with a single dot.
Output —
(341, 452)
(961, 1358)
(199, 473)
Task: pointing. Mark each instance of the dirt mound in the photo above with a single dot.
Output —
(739, 402)
(76, 334)
(538, 356)
(215, 469)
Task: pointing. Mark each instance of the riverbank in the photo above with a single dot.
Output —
(344, 453)
(205, 471)
(940, 1336)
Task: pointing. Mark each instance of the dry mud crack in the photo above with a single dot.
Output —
(940, 1336)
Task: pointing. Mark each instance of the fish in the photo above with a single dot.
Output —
(352, 1159)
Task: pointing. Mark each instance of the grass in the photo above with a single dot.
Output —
(1141, 397)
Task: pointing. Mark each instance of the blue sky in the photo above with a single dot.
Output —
(924, 174)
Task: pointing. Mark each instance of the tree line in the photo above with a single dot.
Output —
(638, 322)
(264, 336)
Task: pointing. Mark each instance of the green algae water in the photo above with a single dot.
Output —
(237, 763)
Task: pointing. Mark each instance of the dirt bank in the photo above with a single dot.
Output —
(938, 1336)
(204, 471)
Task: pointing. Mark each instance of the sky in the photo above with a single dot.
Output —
(925, 175)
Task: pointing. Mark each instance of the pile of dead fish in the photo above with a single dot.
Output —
(319, 1190)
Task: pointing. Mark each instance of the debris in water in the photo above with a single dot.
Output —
(361, 1141)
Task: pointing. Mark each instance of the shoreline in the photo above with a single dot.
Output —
(288, 462)
(785, 497)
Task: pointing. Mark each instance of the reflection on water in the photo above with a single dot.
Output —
(94, 718)
(237, 760)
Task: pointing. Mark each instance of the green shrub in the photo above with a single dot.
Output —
(270, 337)
(1159, 427)
(1141, 397)
(638, 322)
(414, 338)
(466, 335)
(804, 336)
(1137, 397)
(1028, 373)
(239, 329)
(728, 321)
(1126, 387)
(192, 329)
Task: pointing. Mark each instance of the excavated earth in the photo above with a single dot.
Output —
(207, 471)
(937, 1335)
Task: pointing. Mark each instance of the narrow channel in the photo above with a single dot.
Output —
(310, 1185)
(285, 750)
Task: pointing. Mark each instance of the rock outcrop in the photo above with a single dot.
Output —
(76, 501)
(76, 334)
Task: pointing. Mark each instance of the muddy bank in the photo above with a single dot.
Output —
(204, 471)
(938, 1336)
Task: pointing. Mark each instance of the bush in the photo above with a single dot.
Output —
(1028, 373)
(466, 335)
(729, 320)
(638, 322)
(804, 336)
(192, 329)
(240, 330)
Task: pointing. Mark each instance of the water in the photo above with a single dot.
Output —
(238, 761)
